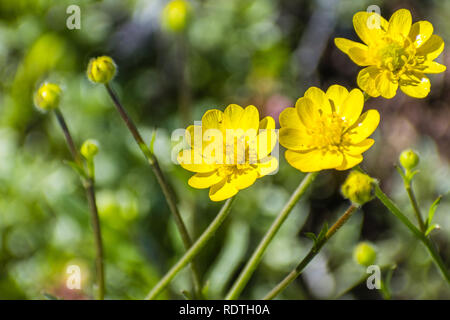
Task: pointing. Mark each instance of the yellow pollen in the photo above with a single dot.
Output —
(328, 132)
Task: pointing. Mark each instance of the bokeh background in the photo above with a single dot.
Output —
(260, 52)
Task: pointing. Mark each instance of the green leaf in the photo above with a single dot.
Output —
(431, 228)
(152, 141)
(400, 171)
(323, 232)
(312, 236)
(432, 210)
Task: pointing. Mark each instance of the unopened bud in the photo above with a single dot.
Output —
(89, 149)
(47, 97)
(409, 159)
(358, 188)
(176, 15)
(101, 69)
(365, 254)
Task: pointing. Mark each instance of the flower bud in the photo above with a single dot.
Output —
(176, 15)
(89, 149)
(409, 159)
(358, 187)
(47, 97)
(101, 69)
(364, 254)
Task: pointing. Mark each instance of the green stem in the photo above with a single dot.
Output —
(167, 191)
(415, 206)
(311, 254)
(417, 233)
(193, 250)
(256, 257)
(88, 184)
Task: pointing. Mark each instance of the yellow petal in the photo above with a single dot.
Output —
(266, 141)
(222, 190)
(319, 98)
(212, 119)
(352, 106)
(232, 116)
(294, 139)
(366, 80)
(192, 160)
(400, 22)
(269, 166)
(365, 126)
(245, 179)
(307, 111)
(420, 32)
(417, 86)
(289, 118)
(360, 56)
(337, 94)
(250, 118)
(350, 161)
(345, 45)
(314, 160)
(385, 85)
(360, 147)
(432, 48)
(267, 123)
(433, 67)
(204, 180)
(366, 27)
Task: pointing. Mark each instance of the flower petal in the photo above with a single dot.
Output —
(366, 80)
(205, 179)
(385, 85)
(420, 32)
(267, 167)
(266, 141)
(250, 118)
(352, 107)
(337, 94)
(314, 160)
(294, 139)
(267, 123)
(433, 67)
(360, 147)
(232, 116)
(432, 48)
(416, 86)
(222, 190)
(366, 26)
(289, 118)
(192, 160)
(360, 56)
(319, 98)
(345, 45)
(365, 126)
(350, 161)
(400, 23)
(212, 119)
(307, 111)
(245, 179)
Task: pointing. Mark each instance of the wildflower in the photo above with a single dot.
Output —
(327, 130)
(365, 254)
(395, 54)
(101, 69)
(176, 15)
(47, 97)
(358, 188)
(229, 150)
(89, 149)
(409, 159)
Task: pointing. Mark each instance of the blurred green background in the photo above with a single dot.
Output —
(260, 52)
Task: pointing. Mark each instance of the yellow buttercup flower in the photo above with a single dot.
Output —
(229, 150)
(327, 130)
(395, 54)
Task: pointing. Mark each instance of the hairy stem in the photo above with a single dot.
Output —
(257, 255)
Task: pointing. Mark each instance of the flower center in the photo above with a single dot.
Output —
(328, 132)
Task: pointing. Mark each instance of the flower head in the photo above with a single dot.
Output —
(359, 188)
(101, 69)
(176, 15)
(229, 150)
(327, 130)
(47, 97)
(395, 54)
(365, 254)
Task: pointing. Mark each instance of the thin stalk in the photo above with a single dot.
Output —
(415, 206)
(167, 191)
(193, 250)
(257, 255)
(88, 184)
(417, 233)
(311, 254)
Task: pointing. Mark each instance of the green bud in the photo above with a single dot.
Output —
(365, 254)
(176, 15)
(101, 69)
(359, 188)
(47, 97)
(409, 159)
(89, 149)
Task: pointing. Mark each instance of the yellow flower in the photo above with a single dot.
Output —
(229, 150)
(47, 97)
(101, 69)
(395, 54)
(327, 130)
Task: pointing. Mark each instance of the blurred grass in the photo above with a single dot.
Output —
(245, 52)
